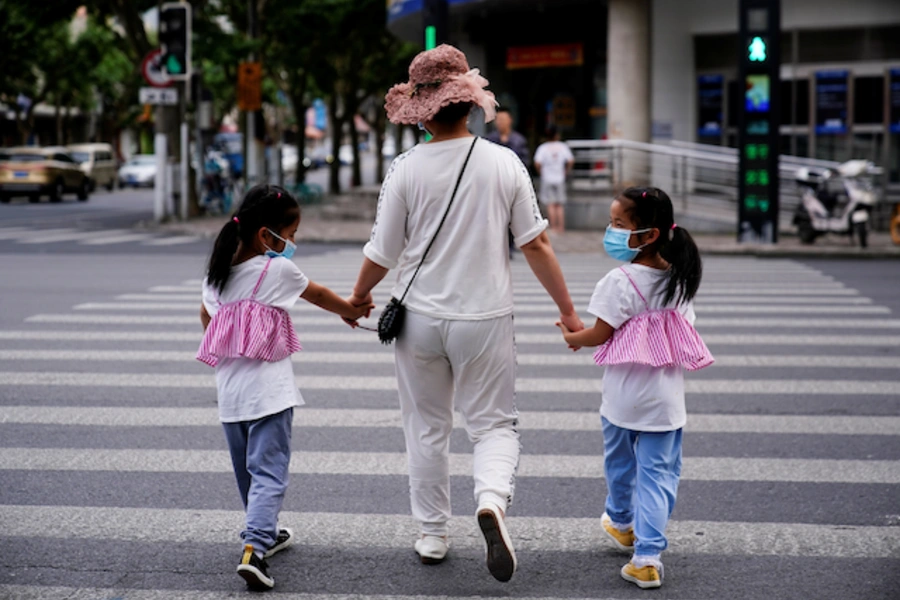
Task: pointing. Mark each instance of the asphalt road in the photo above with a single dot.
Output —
(114, 479)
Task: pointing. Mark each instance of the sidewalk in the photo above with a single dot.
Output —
(313, 228)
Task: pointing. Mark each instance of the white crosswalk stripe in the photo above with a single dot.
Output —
(109, 389)
(29, 236)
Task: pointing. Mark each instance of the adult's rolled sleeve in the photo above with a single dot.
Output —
(388, 237)
(525, 219)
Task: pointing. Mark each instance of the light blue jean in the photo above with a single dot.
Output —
(642, 473)
(261, 454)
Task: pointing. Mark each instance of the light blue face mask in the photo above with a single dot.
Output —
(615, 242)
(288, 251)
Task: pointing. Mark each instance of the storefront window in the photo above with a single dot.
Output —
(868, 100)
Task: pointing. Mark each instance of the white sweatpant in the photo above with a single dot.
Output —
(470, 365)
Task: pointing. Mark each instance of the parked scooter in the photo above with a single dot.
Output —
(837, 200)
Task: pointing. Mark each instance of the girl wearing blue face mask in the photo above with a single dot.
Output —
(249, 338)
(646, 340)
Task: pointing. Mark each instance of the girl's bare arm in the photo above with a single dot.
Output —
(323, 297)
(593, 336)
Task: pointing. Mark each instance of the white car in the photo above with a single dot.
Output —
(140, 170)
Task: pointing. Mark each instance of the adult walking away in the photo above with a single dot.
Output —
(553, 161)
(505, 135)
(456, 348)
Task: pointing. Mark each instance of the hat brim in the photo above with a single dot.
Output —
(405, 108)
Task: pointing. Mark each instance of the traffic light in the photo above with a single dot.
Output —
(175, 39)
(756, 51)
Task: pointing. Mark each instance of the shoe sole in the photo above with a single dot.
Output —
(617, 543)
(644, 585)
(501, 560)
(279, 547)
(428, 560)
(255, 578)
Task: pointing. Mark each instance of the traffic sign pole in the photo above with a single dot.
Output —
(759, 118)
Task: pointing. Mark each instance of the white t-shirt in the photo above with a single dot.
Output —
(553, 156)
(250, 389)
(466, 275)
(639, 397)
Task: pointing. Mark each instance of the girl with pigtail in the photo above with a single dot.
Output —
(644, 330)
(249, 338)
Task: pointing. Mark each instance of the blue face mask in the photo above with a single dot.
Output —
(288, 251)
(615, 242)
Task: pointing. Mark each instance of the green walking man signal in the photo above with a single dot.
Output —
(757, 50)
(175, 39)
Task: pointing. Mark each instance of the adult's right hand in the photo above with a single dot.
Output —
(572, 322)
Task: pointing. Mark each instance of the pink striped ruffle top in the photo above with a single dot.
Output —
(247, 328)
(660, 337)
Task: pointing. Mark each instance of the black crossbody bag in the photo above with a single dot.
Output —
(390, 323)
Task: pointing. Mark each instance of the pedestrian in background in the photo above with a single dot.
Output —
(457, 348)
(505, 135)
(645, 331)
(249, 338)
(553, 161)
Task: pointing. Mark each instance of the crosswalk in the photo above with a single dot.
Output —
(110, 447)
(34, 236)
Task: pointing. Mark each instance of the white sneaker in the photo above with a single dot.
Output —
(501, 558)
(432, 549)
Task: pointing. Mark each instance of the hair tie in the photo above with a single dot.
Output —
(674, 225)
(278, 196)
(643, 194)
(236, 220)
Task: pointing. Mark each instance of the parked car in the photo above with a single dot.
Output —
(98, 162)
(138, 171)
(32, 171)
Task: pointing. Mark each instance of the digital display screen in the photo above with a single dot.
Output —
(831, 102)
(757, 95)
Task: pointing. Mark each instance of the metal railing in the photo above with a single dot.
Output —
(702, 180)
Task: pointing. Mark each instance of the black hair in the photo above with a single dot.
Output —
(652, 207)
(551, 131)
(263, 206)
(453, 112)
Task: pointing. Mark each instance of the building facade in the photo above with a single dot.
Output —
(660, 70)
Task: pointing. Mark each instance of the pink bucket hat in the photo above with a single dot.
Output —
(438, 78)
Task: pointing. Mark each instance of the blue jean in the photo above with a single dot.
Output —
(642, 473)
(261, 454)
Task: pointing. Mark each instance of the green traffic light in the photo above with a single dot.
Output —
(174, 66)
(757, 50)
(430, 37)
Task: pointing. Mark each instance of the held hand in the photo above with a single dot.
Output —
(566, 333)
(360, 301)
(572, 322)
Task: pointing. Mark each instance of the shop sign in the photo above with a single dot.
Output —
(554, 55)
(710, 104)
(894, 100)
(831, 102)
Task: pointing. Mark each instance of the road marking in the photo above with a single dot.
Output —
(172, 240)
(116, 239)
(819, 387)
(74, 235)
(702, 323)
(113, 416)
(368, 337)
(529, 534)
(394, 463)
(582, 359)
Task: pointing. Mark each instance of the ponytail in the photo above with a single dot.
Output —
(219, 267)
(652, 208)
(685, 266)
(263, 206)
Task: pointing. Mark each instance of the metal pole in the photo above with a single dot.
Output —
(252, 170)
(159, 188)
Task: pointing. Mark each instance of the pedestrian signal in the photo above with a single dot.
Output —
(175, 39)
(757, 50)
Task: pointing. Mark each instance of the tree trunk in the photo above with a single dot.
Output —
(380, 123)
(356, 179)
(337, 126)
(296, 94)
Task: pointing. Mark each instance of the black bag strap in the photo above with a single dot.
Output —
(444, 218)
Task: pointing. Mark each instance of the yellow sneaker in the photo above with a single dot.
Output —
(645, 577)
(624, 540)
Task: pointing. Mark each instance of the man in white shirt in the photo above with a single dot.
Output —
(457, 346)
(553, 161)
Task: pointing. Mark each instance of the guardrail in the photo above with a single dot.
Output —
(702, 180)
